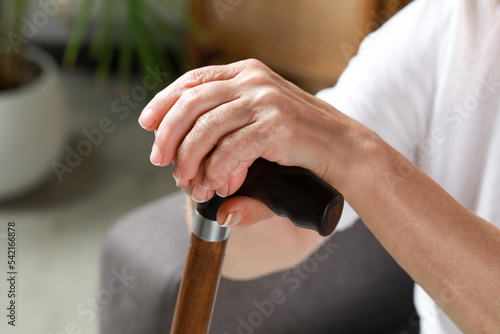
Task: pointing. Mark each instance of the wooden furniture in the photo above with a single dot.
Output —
(308, 42)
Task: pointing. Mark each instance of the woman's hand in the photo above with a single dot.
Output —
(215, 121)
(212, 123)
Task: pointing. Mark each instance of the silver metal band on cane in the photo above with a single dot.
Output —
(207, 229)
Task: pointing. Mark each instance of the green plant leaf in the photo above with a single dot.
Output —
(146, 28)
(125, 54)
(76, 37)
(103, 41)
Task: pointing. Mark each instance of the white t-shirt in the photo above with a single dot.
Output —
(428, 82)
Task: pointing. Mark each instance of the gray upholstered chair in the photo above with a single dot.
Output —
(358, 289)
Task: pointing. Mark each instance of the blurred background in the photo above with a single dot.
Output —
(74, 76)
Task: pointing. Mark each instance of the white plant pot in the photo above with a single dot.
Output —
(34, 127)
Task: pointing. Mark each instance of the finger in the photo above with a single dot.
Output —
(242, 211)
(207, 132)
(186, 188)
(185, 185)
(162, 102)
(192, 187)
(235, 180)
(199, 193)
(177, 123)
(238, 149)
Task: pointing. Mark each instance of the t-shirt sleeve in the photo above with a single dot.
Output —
(389, 85)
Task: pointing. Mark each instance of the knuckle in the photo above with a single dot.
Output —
(229, 143)
(193, 76)
(216, 176)
(257, 77)
(161, 135)
(217, 180)
(205, 123)
(268, 96)
(220, 164)
(202, 132)
(239, 146)
(252, 62)
(201, 75)
(189, 97)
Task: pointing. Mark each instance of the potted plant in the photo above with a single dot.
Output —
(33, 113)
(34, 120)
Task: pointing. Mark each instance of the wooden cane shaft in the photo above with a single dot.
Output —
(198, 286)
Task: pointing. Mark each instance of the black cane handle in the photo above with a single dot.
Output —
(293, 192)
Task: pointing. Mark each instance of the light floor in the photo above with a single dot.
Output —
(61, 225)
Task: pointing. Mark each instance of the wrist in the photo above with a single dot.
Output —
(353, 154)
(373, 169)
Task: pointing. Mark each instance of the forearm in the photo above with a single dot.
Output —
(448, 250)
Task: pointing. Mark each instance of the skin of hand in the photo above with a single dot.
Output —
(214, 122)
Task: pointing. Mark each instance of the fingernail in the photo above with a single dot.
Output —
(198, 194)
(223, 192)
(220, 194)
(206, 184)
(232, 219)
(155, 156)
(147, 118)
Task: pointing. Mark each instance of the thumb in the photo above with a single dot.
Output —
(242, 211)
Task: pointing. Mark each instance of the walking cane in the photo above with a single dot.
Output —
(293, 192)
